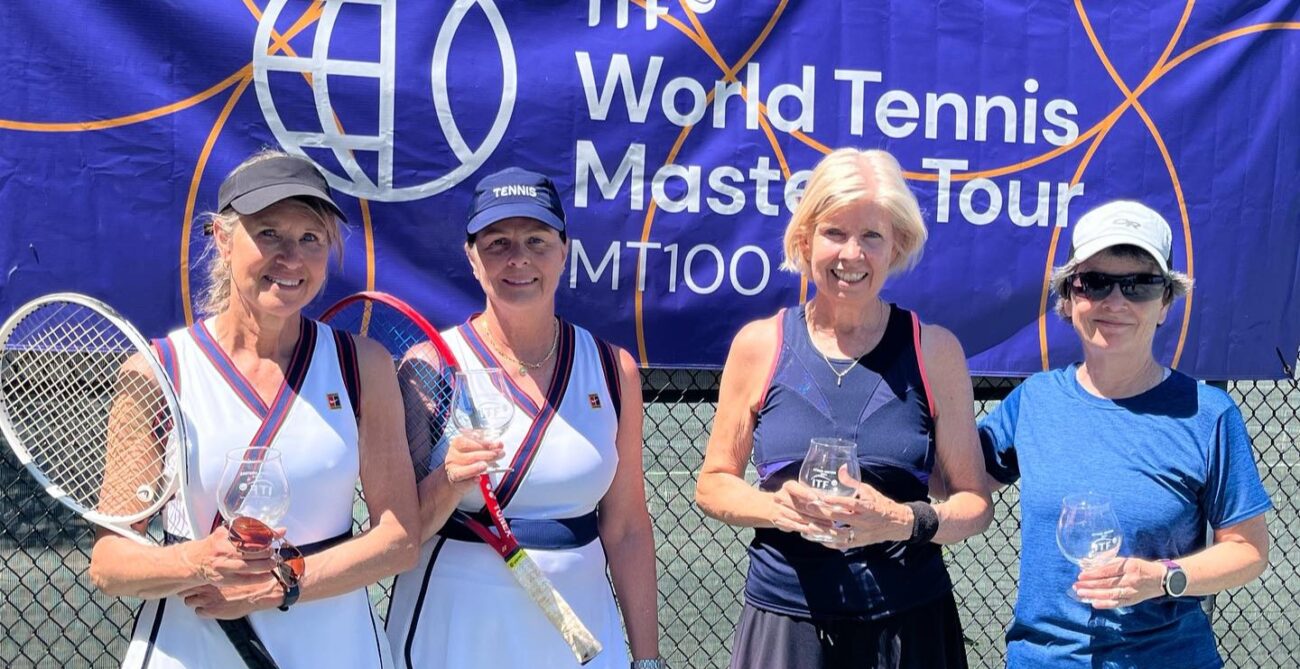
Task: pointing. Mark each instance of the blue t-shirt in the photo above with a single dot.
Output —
(1172, 460)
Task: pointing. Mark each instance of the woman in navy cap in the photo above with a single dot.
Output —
(574, 448)
(1153, 454)
(253, 372)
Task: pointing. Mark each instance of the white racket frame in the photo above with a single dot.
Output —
(177, 447)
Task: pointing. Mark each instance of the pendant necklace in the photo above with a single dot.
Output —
(524, 367)
(839, 375)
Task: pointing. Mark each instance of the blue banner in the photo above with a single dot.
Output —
(681, 134)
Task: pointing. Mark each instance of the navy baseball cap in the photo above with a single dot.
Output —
(265, 182)
(514, 192)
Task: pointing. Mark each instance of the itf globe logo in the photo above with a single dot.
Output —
(358, 158)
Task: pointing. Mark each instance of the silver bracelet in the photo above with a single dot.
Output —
(656, 663)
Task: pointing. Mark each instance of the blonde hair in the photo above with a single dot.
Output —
(848, 176)
(1177, 284)
(214, 294)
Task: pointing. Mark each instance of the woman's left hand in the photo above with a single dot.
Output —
(228, 603)
(866, 518)
(1121, 582)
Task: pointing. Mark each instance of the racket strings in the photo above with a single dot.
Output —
(424, 376)
(39, 375)
(426, 397)
(87, 408)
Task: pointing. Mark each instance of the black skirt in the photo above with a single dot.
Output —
(926, 637)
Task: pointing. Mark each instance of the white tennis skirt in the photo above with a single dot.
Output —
(339, 632)
(460, 608)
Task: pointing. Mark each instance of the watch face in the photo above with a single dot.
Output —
(1177, 582)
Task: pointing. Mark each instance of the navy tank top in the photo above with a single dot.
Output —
(883, 406)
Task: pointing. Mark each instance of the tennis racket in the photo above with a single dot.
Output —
(89, 411)
(426, 371)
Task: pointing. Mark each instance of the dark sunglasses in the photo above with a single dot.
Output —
(1134, 287)
(251, 535)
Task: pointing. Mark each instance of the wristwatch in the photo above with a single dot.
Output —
(656, 663)
(1175, 579)
(289, 582)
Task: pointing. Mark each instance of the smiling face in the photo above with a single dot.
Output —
(1114, 324)
(277, 258)
(518, 262)
(850, 251)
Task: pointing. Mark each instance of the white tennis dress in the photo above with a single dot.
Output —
(460, 607)
(317, 439)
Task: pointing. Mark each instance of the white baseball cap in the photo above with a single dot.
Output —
(1123, 222)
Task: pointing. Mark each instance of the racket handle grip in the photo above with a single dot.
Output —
(548, 599)
(246, 642)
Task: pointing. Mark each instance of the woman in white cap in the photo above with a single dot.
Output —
(574, 495)
(1154, 454)
(254, 373)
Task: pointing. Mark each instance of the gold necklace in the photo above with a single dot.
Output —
(839, 376)
(524, 367)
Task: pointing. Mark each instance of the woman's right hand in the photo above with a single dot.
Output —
(791, 512)
(230, 602)
(467, 458)
(216, 561)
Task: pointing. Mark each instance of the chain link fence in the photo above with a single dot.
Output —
(50, 616)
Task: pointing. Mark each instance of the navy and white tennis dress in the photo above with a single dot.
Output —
(313, 425)
(460, 607)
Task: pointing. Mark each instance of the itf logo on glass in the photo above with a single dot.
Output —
(340, 132)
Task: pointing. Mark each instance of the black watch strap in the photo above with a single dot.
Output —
(290, 584)
(290, 596)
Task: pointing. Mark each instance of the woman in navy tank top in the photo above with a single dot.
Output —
(850, 366)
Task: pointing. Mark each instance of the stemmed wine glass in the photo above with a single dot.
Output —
(820, 471)
(1088, 533)
(482, 407)
(253, 498)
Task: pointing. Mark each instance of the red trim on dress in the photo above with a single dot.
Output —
(920, 365)
(780, 341)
